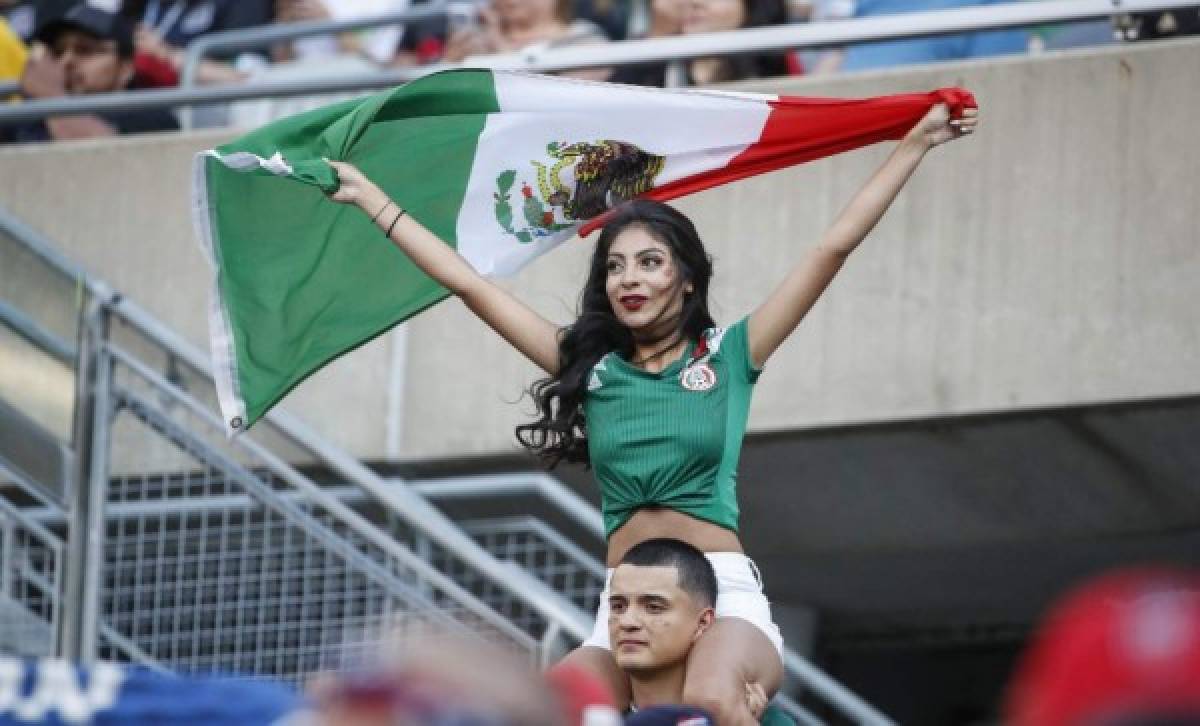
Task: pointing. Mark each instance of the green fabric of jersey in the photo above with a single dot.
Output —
(653, 441)
(776, 716)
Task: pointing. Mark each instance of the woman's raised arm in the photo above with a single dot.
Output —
(787, 305)
(526, 330)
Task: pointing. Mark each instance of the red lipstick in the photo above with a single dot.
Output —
(633, 302)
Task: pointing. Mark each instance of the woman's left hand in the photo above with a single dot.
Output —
(937, 127)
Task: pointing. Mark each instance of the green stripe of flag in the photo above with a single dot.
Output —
(303, 280)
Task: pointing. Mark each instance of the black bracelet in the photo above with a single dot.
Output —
(385, 206)
(392, 226)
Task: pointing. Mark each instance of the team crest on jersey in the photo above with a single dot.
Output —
(697, 374)
(698, 377)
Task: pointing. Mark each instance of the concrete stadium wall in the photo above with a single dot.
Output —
(1050, 260)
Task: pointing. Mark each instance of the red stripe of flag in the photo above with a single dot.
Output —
(801, 129)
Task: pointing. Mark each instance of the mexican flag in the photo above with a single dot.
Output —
(503, 166)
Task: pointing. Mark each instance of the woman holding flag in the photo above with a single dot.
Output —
(649, 390)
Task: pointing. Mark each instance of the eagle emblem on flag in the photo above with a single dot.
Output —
(576, 182)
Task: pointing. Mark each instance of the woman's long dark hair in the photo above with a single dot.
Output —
(560, 431)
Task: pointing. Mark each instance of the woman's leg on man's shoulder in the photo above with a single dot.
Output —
(730, 654)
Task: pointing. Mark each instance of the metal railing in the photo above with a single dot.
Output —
(752, 40)
(259, 37)
(264, 36)
(272, 583)
(31, 567)
(525, 541)
(537, 483)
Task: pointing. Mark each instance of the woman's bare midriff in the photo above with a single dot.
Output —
(654, 522)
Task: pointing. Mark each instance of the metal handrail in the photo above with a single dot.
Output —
(751, 40)
(529, 524)
(24, 326)
(51, 540)
(264, 36)
(539, 483)
(396, 498)
(315, 495)
(47, 539)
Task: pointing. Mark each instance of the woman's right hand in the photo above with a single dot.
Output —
(355, 188)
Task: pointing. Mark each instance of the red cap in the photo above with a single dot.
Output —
(585, 697)
(1125, 645)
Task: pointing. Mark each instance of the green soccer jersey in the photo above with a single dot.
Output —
(672, 438)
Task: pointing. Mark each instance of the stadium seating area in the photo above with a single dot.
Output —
(462, 30)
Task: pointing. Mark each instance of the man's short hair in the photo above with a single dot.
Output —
(696, 575)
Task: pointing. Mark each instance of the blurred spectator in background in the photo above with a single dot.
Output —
(1168, 23)
(817, 62)
(165, 27)
(711, 16)
(583, 699)
(665, 19)
(84, 51)
(886, 54)
(1060, 36)
(503, 26)
(303, 11)
(376, 45)
(445, 679)
(612, 16)
(25, 16)
(320, 56)
(1123, 650)
(12, 53)
(423, 41)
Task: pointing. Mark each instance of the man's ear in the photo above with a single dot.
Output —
(707, 617)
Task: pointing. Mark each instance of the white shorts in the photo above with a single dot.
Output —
(739, 595)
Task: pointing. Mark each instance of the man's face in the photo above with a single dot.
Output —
(90, 64)
(652, 622)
